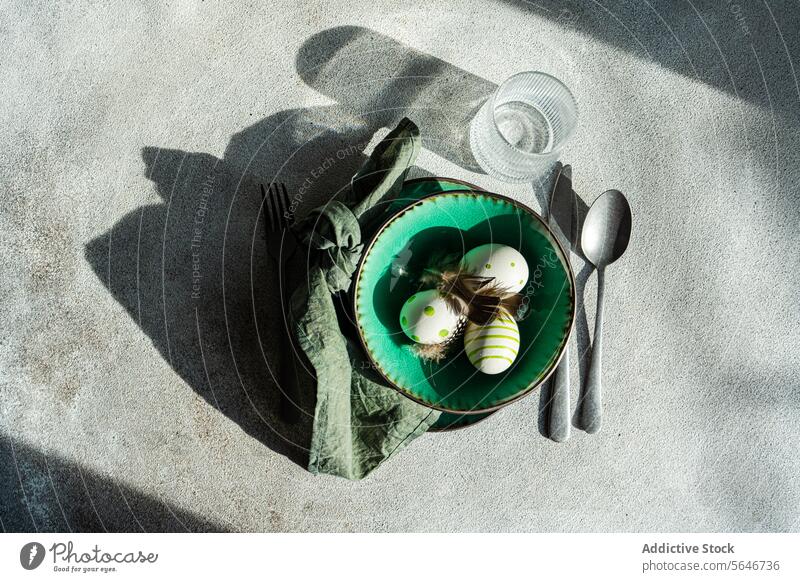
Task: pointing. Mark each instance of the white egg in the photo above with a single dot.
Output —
(493, 347)
(508, 267)
(427, 318)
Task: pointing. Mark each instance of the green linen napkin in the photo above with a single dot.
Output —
(359, 422)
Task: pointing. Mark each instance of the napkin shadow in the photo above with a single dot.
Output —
(193, 271)
(190, 266)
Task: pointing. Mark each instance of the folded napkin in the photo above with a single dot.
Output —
(358, 422)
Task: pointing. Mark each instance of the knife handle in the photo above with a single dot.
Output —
(559, 420)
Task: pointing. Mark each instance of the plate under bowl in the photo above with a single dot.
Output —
(449, 421)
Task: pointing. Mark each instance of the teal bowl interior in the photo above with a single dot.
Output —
(456, 221)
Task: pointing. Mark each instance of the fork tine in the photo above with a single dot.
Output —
(264, 210)
(267, 211)
(273, 210)
(275, 199)
(285, 199)
(280, 200)
(286, 204)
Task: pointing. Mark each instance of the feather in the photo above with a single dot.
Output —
(440, 262)
(431, 352)
(480, 299)
(477, 299)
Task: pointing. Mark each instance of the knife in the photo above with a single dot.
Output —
(561, 219)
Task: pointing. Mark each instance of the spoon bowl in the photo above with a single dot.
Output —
(607, 229)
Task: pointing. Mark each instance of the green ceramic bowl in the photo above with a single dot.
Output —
(457, 221)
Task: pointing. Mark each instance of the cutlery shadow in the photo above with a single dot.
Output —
(582, 338)
(579, 341)
(580, 344)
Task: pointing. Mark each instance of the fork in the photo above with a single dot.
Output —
(276, 201)
(281, 246)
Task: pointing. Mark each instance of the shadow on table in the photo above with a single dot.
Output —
(192, 270)
(710, 41)
(44, 493)
(376, 77)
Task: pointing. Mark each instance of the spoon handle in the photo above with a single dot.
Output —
(592, 408)
(559, 401)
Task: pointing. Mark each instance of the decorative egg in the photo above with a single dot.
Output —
(427, 318)
(508, 267)
(493, 347)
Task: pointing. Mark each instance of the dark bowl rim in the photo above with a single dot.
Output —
(470, 190)
(468, 185)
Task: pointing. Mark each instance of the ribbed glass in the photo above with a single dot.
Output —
(518, 133)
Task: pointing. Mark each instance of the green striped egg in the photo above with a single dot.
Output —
(493, 347)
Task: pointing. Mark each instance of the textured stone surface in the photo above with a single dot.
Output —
(133, 140)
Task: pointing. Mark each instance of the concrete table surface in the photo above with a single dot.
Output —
(138, 305)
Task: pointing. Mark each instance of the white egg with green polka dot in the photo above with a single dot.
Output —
(508, 267)
(427, 318)
(493, 347)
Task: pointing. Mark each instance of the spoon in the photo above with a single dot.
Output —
(606, 232)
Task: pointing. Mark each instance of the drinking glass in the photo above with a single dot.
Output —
(517, 134)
